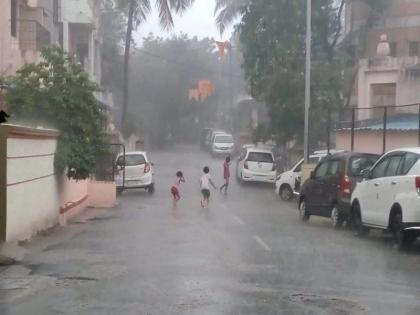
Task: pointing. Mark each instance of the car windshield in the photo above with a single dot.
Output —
(260, 157)
(132, 160)
(223, 139)
(360, 163)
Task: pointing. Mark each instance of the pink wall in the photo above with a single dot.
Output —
(74, 198)
(371, 141)
(102, 194)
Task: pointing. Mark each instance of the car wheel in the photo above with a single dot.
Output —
(336, 218)
(402, 239)
(286, 193)
(359, 229)
(303, 211)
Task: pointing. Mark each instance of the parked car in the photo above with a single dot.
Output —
(256, 165)
(222, 144)
(210, 138)
(203, 137)
(288, 183)
(327, 192)
(389, 197)
(134, 171)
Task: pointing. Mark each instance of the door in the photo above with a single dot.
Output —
(315, 190)
(332, 186)
(388, 186)
(260, 162)
(370, 192)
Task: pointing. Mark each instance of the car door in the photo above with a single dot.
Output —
(315, 190)
(387, 189)
(332, 184)
(370, 192)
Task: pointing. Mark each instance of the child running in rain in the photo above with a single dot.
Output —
(205, 187)
(176, 187)
(226, 175)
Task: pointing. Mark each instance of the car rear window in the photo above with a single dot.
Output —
(359, 163)
(132, 160)
(260, 157)
(223, 139)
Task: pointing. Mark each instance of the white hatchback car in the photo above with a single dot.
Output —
(389, 197)
(134, 170)
(222, 144)
(286, 182)
(256, 165)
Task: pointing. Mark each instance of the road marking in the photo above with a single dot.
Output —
(238, 220)
(262, 243)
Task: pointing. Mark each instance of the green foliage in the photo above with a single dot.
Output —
(272, 33)
(57, 93)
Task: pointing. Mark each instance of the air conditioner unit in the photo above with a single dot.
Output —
(32, 3)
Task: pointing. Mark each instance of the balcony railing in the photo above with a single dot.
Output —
(33, 36)
(389, 62)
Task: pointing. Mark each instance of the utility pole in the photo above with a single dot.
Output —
(307, 78)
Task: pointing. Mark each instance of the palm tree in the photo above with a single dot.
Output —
(227, 11)
(138, 11)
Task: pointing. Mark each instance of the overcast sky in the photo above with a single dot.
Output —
(197, 21)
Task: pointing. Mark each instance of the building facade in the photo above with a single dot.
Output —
(25, 27)
(389, 68)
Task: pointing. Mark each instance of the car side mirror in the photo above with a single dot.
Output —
(312, 175)
(366, 173)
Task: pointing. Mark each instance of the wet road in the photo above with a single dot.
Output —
(247, 254)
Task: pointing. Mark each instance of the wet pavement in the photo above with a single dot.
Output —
(247, 254)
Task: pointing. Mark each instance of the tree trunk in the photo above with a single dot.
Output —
(127, 61)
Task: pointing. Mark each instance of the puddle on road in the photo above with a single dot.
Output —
(327, 305)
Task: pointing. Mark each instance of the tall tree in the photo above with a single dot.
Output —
(138, 11)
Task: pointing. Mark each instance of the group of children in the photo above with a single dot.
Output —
(205, 184)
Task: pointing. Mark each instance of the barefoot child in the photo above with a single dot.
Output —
(226, 175)
(176, 187)
(205, 187)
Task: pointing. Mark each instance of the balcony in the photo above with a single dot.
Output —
(389, 63)
(33, 36)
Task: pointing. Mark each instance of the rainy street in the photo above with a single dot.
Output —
(247, 254)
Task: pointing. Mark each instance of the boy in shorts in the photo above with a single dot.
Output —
(205, 187)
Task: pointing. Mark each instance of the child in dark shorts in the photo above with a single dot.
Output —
(205, 183)
(176, 187)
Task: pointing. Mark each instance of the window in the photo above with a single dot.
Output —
(260, 157)
(394, 165)
(13, 18)
(321, 170)
(380, 168)
(334, 168)
(223, 139)
(55, 11)
(393, 47)
(359, 164)
(131, 160)
(409, 161)
(413, 49)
